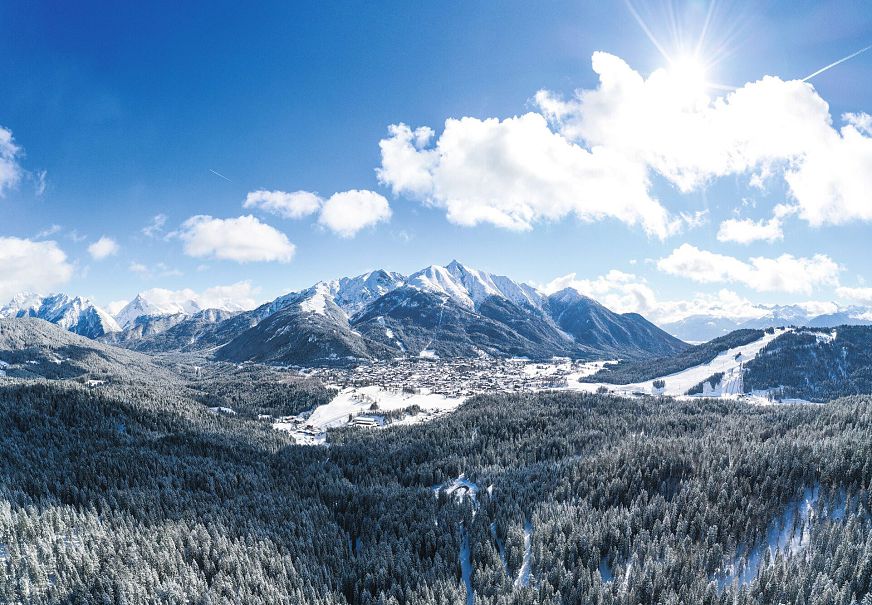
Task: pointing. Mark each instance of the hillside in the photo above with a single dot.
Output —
(814, 364)
(630, 371)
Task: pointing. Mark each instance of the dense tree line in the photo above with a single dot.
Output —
(136, 494)
(629, 371)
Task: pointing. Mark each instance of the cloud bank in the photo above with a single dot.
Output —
(593, 156)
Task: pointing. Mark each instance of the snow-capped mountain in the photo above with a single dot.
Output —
(142, 306)
(445, 311)
(470, 287)
(352, 294)
(76, 314)
(164, 303)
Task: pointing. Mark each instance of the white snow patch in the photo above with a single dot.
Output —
(355, 401)
(523, 578)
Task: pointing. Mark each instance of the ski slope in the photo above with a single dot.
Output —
(729, 362)
(354, 401)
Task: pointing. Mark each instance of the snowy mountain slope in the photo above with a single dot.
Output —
(141, 306)
(445, 311)
(353, 294)
(622, 335)
(310, 329)
(75, 314)
(729, 363)
(33, 348)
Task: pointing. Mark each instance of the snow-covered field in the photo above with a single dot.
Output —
(355, 401)
(729, 363)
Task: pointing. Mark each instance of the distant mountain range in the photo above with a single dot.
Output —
(439, 311)
(702, 328)
(450, 311)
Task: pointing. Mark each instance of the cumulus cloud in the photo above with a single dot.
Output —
(786, 273)
(593, 155)
(347, 212)
(745, 231)
(103, 248)
(297, 204)
(243, 239)
(763, 128)
(617, 290)
(239, 296)
(31, 265)
(516, 172)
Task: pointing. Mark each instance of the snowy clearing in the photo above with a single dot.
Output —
(355, 401)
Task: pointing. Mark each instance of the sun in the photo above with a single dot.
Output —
(688, 76)
(688, 73)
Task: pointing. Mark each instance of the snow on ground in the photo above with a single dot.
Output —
(317, 303)
(354, 401)
(788, 535)
(460, 488)
(729, 362)
(466, 565)
(523, 579)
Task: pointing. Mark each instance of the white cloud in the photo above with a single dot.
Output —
(139, 268)
(103, 248)
(155, 227)
(786, 273)
(628, 293)
(745, 231)
(861, 296)
(30, 265)
(40, 178)
(595, 159)
(619, 291)
(49, 231)
(516, 172)
(239, 296)
(766, 127)
(243, 239)
(297, 204)
(115, 306)
(347, 212)
(10, 169)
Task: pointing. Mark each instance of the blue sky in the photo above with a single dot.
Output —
(120, 113)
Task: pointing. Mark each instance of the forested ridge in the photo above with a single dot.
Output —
(816, 364)
(628, 371)
(135, 493)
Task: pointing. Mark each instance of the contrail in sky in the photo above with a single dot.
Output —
(221, 175)
(834, 63)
